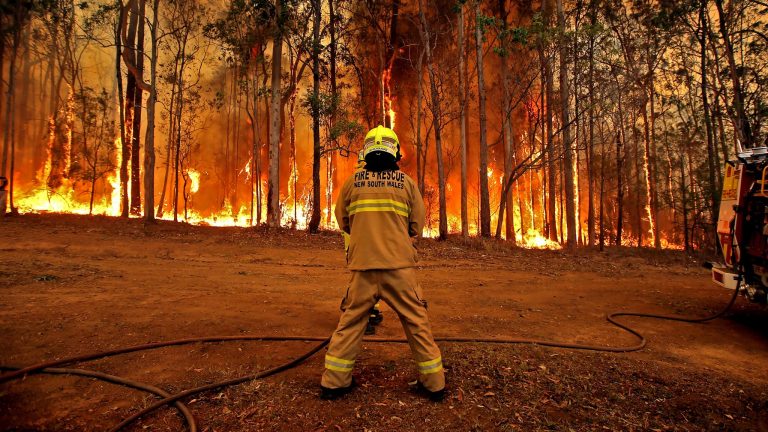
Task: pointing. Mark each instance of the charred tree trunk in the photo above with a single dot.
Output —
(136, 129)
(149, 142)
(684, 202)
(619, 187)
(123, 168)
(638, 186)
(485, 203)
(332, 53)
(650, 184)
(591, 146)
(314, 222)
(9, 111)
(275, 121)
(130, 94)
(420, 168)
(570, 203)
(256, 145)
(650, 159)
(292, 177)
(706, 108)
(509, 146)
(651, 152)
(602, 192)
(551, 166)
(463, 122)
(168, 146)
(2, 85)
(181, 52)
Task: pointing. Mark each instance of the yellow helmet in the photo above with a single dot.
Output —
(382, 139)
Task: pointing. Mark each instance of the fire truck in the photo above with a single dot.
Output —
(742, 225)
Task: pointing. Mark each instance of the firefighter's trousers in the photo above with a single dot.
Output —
(400, 290)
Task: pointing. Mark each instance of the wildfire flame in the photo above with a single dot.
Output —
(114, 178)
(194, 179)
(389, 109)
(534, 240)
(296, 205)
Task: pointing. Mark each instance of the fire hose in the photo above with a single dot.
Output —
(50, 367)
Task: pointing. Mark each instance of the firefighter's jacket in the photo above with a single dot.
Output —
(381, 211)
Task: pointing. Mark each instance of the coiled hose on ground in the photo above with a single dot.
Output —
(50, 367)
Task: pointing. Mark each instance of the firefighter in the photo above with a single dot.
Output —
(381, 209)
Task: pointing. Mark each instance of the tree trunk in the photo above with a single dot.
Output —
(137, 100)
(684, 202)
(637, 157)
(509, 146)
(602, 190)
(12, 113)
(619, 185)
(314, 222)
(9, 111)
(12, 181)
(463, 122)
(256, 145)
(620, 142)
(181, 52)
(650, 184)
(741, 122)
(123, 168)
(332, 52)
(236, 141)
(2, 84)
(570, 204)
(706, 111)
(436, 114)
(275, 120)
(591, 146)
(420, 168)
(691, 230)
(294, 173)
(130, 93)
(149, 142)
(485, 203)
(169, 140)
(551, 167)
(721, 135)
(651, 150)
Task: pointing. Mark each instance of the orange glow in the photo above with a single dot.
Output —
(114, 179)
(389, 109)
(68, 196)
(534, 240)
(194, 179)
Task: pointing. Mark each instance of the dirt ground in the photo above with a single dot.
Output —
(71, 285)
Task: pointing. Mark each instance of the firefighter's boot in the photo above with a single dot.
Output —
(335, 393)
(434, 396)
